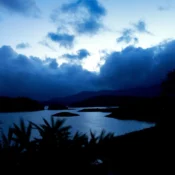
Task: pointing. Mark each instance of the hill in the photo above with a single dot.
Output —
(19, 104)
(152, 91)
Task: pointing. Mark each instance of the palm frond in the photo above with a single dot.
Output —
(59, 123)
(52, 121)
(29, 130)
(102, 135)
(40, 129)
(22, 125)
(79, 136)
(46, 123)
(93, 138)
(6, 140)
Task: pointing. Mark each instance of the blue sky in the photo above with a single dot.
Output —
(85, 34)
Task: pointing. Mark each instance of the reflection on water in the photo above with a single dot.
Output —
(95, 121)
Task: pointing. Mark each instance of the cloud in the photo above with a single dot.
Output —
(24, 7)
(52, 62)
(91, 26)
(39, 79)
(46, 44)
(44, 79)
(134, 67)
(141, 27)
(127, 36)
(82, 53)
(63, 39)
(84, 17)
(92, 6)
(23, 45)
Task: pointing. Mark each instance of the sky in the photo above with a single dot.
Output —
(60, 47)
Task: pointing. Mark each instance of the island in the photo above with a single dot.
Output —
(65, 114)
(112, 109)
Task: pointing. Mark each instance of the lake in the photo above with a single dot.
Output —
(95, 121)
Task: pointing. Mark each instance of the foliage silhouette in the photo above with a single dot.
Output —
(22, 135)
(55, 146)
(53, 134)
(6, 141)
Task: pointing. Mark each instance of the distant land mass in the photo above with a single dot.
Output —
(107, 100)
(57, 107)
(73, 100)
(19, 104)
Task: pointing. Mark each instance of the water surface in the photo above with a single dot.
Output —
(95, 121)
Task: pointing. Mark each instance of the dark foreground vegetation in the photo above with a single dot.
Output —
(56, 151)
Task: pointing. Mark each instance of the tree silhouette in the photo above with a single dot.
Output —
(53, 134)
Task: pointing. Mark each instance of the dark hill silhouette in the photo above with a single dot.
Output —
(57, 107)
(107, 100)
(168, 85)
(134, 92)
(19, 104)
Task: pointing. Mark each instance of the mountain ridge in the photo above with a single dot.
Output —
(134, 92)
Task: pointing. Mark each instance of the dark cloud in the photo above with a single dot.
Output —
(134, 67)
(127, 36)
(23, 45)
(43, 79)
(141, 27)
(24, 7)
(30, 76)
(85, 16)
(63, 39)
(82, 53)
